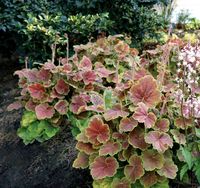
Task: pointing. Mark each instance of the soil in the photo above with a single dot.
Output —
(39, 165)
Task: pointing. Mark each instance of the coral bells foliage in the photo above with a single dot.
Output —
(127, 140)
(121, 115)
(44, 93)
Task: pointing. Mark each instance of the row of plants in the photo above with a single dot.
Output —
(35, 24)
(135, 118)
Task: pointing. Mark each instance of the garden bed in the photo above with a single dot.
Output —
(38, 165)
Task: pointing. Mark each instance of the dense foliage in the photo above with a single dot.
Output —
(36, 24)
(136, 122)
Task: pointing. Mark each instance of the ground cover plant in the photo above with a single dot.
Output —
(134, 117)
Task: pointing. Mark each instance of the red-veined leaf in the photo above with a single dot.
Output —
(14, 106)
(67, 68)
(178, 137)
(78, 104)
(162, 125)
(140, 74)
(31, 74)
(85, 63)
(36, 90)
(44, 111)
(127, 124)
(61, 106)
(115, 112)
(30, 105)
(82, 161)
(43, 75)
(88, 77)
(152, 160)
(136, 138)
(122, 48)
(54, 94)
(141, 115)
(98, 103)
(169, 169)
(86, 148)
(102, 72)
(62, 87)
(149, 179)
(134, 170)
(49, 66)
(110, 148)
(183, 123)
(146, 91)
(104, 167)
(161, 141)
(97, 132)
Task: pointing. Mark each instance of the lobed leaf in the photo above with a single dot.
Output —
(44, 111)
(141, 115)
(28, 118)
(82, 161)
(152, 160)
(86, 148)
(14, 106)
(178, 137)
(146, 91)
(149, 179)
(88, 77)
(162, 125)
(136, 138)
(36, 91)
(161, 141)
(168, 170)
(183, 123)
(78, 104)
(103, 167)
(43, 75)
(97, 132)
(85, 63)
(62, 87)
(134, 170)
(115, 112)
(127, 124)
(121, 183)
(30, 105)
(61, 106)
(109, 148)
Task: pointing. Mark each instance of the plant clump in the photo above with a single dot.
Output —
(123, 114)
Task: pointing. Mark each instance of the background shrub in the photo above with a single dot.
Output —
(34, 25)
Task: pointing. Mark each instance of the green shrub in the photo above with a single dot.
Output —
(36, 25)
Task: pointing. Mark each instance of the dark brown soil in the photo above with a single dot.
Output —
(38, 165)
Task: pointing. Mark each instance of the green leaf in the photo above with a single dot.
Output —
(27, 118)
(183, 171)
(77, 124)
(50, 130)
(197, 131)
(197, 170)
(104, 183)
(108, 99)
(163, 184)
(188, 157)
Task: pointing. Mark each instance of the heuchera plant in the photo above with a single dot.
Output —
(122, 112)
(129, 135)
(44, 95)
